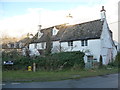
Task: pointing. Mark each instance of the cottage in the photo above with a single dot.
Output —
(92, 37)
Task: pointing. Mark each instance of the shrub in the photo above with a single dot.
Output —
(56, 61)
(20, 61)
(116, 62)
(61, 60)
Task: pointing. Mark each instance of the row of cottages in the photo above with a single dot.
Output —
(19, 45)
(92, 37)
(15, 44)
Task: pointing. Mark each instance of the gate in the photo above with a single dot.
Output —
(89, 63)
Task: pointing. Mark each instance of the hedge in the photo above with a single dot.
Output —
(54, 61)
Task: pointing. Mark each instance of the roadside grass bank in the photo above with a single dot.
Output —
(26, 76)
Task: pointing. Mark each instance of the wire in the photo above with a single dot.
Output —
(114, 22)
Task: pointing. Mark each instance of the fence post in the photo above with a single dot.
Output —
(34, 67)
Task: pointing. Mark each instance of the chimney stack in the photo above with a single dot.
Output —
(39, 27)
(39, 31)
(103, 15)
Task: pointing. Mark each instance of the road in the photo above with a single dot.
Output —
(106, 81)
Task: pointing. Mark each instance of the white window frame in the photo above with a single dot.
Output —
(70, 43)
(84, 42)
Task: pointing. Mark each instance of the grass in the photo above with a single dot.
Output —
(25, 76)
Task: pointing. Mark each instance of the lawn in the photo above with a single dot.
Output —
(26, 76)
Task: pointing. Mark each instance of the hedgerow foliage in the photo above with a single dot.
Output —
(61, 60)
(116, 62)
(56, 61)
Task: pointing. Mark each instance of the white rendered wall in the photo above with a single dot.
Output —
(55, 47)
(93, 47)
(33, 50)
(107, 44)
(31, 46)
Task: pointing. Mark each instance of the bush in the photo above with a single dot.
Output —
(10, 55)
(116, 62)
(20, 61)
(56, 61)
(61, 60)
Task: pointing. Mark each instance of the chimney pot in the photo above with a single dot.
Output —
(103, 9)
(103, 15)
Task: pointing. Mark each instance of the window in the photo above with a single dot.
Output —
(84, 43)
(70, 43)
(42, 45)
(39, 34)
(12, 45)
(54, 31)
(35, 45)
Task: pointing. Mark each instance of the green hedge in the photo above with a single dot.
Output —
(61, 60)
(55, 61)
(117, 60)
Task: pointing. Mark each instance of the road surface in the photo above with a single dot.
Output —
(106, 81)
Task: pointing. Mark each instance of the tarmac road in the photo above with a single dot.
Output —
(106, 81)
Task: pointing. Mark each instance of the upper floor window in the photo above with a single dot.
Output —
(84, 43)
(70, 43)
(39, 34)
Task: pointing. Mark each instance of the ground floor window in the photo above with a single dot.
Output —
(70, 43)
(35, 45)
(84, 42)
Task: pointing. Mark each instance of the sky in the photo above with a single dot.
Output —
(19, 17)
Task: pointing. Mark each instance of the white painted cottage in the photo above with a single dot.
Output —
(92, 37)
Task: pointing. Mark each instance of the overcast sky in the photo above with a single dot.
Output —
(18, 17)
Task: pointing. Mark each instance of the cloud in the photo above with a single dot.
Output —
(48, 1)
(18, 25)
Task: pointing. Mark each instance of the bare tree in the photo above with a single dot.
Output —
(48, 44)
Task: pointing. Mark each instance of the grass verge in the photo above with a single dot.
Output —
(25, 76)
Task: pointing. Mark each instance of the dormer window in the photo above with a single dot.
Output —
(39, 34)
(54, 31)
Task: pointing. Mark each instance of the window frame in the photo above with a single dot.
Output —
(35, 45)
(84, 42)
(42, 45)
(70, 43)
